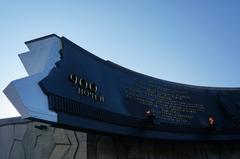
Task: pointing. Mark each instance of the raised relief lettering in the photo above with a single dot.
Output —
(85, 88)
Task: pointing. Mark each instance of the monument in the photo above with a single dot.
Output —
(72, 89)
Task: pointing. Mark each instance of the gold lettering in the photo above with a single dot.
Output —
(170, 105)
(73, 78)
(85, 92)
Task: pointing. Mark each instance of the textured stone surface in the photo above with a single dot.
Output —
(19, 131)
(6, 140)
(22, 139)
(17, 151)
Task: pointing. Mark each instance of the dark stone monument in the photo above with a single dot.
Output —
(137, 116)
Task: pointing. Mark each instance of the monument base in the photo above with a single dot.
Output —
(24, 139)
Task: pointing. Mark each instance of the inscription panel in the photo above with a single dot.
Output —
(169, 105)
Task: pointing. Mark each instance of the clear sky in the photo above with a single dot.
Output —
(186, 41)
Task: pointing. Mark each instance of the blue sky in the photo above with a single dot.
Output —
(187, 41)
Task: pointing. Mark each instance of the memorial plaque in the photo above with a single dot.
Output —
(88, 93)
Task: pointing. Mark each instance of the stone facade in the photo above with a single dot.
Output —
(23, 139)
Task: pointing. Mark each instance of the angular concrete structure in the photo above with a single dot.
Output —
(24, 139)
(38, 62)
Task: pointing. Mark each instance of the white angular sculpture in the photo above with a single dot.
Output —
(25, 94)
